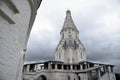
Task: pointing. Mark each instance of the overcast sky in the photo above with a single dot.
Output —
(98, 22)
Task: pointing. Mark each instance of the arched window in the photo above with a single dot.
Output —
(72, 60)
(68, 60)
(59, 55)
(42, 77)
(79, 78)
(68, 77)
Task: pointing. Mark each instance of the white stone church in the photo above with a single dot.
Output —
(70, 60)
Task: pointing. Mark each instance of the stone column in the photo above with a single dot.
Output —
(28, 67)
(62, 66)
(35, 67)
(49, 66)
(71, 67)
(88, 65)
(85, 66)
(81, 66)
(55, 66)
(98, 73)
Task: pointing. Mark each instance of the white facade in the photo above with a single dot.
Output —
(16, 19)
(70, 60)
(70, 48)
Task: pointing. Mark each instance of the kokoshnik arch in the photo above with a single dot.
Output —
(16, 20)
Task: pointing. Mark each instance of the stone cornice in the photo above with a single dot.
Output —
(12, 6)
(6, 17)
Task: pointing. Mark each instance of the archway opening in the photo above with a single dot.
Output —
(42, 77)
(69, 78)
(79, 78)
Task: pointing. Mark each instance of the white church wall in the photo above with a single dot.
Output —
(71, 47)
(15, 16)
(12, 39)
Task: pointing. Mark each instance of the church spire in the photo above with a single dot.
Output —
(70, 49)
(68, 23)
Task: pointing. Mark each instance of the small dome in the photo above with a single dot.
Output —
(68, 12)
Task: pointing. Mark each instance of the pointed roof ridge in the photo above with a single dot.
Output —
(69, 23)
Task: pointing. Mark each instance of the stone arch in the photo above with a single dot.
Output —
(69, 78)
(79, 78)
(41, 77)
